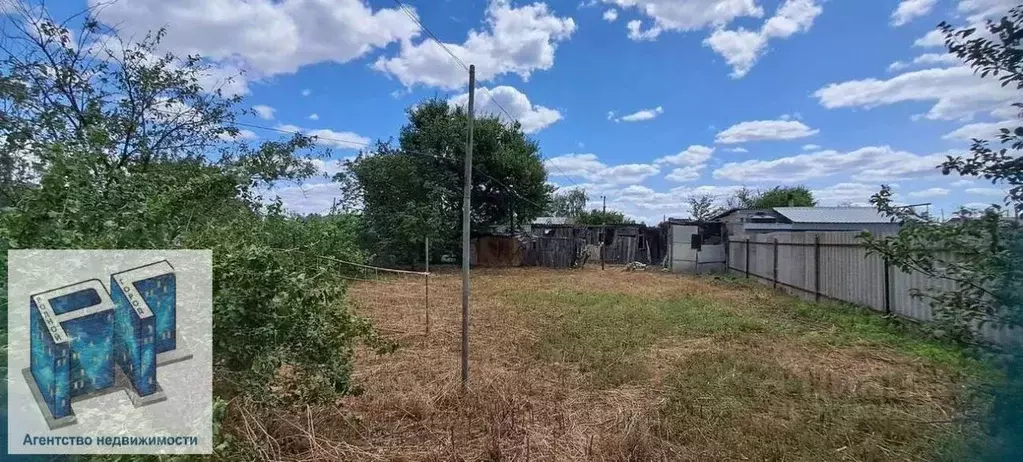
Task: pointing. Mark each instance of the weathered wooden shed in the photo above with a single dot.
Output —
(622, 243)
(558, 250)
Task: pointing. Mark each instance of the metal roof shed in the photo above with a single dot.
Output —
(832, 215)
(802, 219)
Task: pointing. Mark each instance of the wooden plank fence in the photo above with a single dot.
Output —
(835, 266)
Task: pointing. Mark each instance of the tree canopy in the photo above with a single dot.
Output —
(703, 208)
(571, 203)
(109, 144)
(413, 190)
(600, 217)
(779, 196)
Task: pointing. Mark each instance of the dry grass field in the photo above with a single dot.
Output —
(614, 365)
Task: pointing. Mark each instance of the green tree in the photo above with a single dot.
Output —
(414, 190)
(571, 203)
(982, 252)
(703, 207)
(599, 217)
(119, 146)
(796, 196)
(779, 196)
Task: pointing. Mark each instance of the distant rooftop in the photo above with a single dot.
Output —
(553, 221)
(832, 214)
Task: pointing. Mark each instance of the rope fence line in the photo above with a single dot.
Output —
(378, 268)
(389, 297)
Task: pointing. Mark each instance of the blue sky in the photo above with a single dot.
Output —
(645, 101)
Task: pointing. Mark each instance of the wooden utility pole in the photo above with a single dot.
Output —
(466, 193)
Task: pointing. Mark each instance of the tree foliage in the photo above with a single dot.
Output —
(117, 146)
(779, 196)
(703, 207)
(571, 203)
(414, 190)
(600, 217)
(982, 252)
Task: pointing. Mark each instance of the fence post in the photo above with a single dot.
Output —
(747, 258)
(887, 288)
(817, 267)
(775, 278)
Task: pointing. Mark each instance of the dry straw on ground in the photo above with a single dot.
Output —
(612, 365)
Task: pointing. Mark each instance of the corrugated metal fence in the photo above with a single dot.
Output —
(836, 266)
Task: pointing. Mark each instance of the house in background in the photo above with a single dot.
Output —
(702, 246)
(740, 223)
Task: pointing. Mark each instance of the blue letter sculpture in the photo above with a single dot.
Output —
(79, 332)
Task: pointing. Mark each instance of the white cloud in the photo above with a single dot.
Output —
(533, 117)
(983, 130)
(328, 167)
(692, 156)
(868, 163)
(611, 15)
(739, 149)
(1007, 111)
(961, 183)
(931, 39)
(314, 116)
(331, 138)
(306, 92)
(264, 112)
(856, 194)
(986, 191)
(930, 192)
(636, 32)
(976, 11)
(911, 9)
(307, 198)
(759, 130)
(927, 59)
(741, 48)
(956, 92)
(263, 36)
(687, 15)
(647, 204)
(794, 115)
(516, 41)
(683, 174)
(590, 168)
(690, 163)
(639, 116)
(811, 147)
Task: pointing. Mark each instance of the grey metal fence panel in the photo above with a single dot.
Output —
(840, 269)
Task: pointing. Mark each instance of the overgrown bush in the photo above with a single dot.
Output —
(94, 160)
